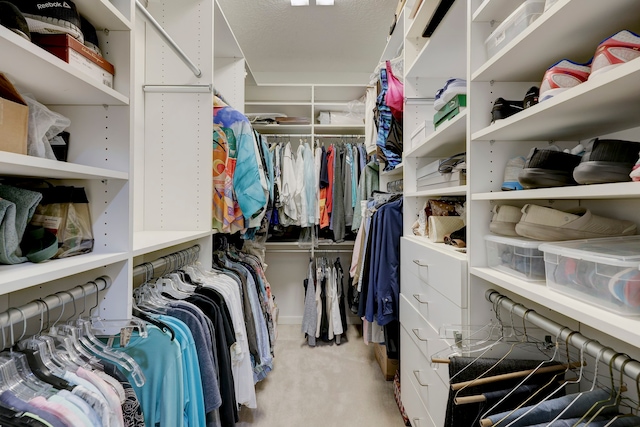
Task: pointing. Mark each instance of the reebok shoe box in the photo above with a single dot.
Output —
(14, 118)
(77, 55)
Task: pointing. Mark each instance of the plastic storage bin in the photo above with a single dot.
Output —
(515, 23)
(603, 272)
(518, 257)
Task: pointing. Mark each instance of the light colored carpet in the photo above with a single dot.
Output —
(328, 386)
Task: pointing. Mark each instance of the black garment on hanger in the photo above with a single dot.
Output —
(468, 415)
(228, 410)
(43, 373)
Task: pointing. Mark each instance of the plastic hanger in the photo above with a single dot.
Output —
(94, 345)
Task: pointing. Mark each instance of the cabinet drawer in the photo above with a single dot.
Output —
(425, 339)
(443, 271)
(416, 411)
(432, 391)
(431, 304)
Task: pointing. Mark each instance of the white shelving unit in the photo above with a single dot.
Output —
(606, 106)
(144, 159)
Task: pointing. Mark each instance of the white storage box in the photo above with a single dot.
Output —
(418, 136)
(515, 23)
(518, 257)
(603, 272)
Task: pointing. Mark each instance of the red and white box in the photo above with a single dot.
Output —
(77, 55)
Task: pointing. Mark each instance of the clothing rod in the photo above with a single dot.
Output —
(594, 348)
(173, 261)
(308, 135)
(178, 88)
(294, 251)
(17, 315)
(167, 38)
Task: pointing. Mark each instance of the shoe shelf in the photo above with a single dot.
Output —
(395, 40)
(621, 327)
(20, 165)
(150, 241)
(570, 29)
(443, 55)
(619, 190)
(104, 15)
(494, 10)
(458, 190)
(604, 104)
(441, 247)
(421, 18)
(50, 79)
(22, 276)
(448, 139)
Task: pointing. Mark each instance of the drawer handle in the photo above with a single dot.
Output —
(417, 375)
(417, 297)
(420, 263)
(416, 333)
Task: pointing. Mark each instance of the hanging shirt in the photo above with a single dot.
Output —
(369, 182)
(301, 205)
(227, 216)
(246, 177)
(310, 188)
(161, 397)
(348, 189)
(324, 190)
(317, 163)
(331, 152)
(288, 186)
(384, 272)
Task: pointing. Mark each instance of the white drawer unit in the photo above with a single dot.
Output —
(417, 370)
(445, 271)
(425, 338)
(416, 411)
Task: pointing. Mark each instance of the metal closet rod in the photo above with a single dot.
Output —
(173, 261)
(592, 347)
(167, 38)
(18, 315)
(299, 135)
(317, 251)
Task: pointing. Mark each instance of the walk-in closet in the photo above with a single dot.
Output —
(381, 213)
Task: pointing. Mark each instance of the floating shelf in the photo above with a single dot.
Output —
(618, 190)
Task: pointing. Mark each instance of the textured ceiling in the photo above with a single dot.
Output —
(311, 44)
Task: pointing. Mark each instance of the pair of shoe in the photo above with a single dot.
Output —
(450, 89)
(618, 49)
(601, 161)
(48, 17)
(503, 108)
(548, 224)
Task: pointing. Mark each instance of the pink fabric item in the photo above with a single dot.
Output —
(67, 417)
(108, 392)
(394, 98)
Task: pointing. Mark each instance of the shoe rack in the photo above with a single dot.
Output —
(442, 286)
(144, 157)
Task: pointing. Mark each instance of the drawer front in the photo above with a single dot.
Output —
(416, 411)
(431, 304)
(442, 271)
(432, 391)
(425, 339)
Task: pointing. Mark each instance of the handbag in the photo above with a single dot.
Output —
(394, 98)
(18, 242)
(64, 211)
(440, 226)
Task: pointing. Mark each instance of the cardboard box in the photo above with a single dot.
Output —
(78, 55)
(388, 366)
(14, 118)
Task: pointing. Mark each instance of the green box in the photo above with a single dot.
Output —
(450, 110)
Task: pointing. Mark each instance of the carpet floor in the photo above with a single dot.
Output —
(328, 386)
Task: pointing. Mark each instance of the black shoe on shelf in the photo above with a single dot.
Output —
(548, 168)
(607, 160)
(12, 18)
(503, 108)
(51, 17)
